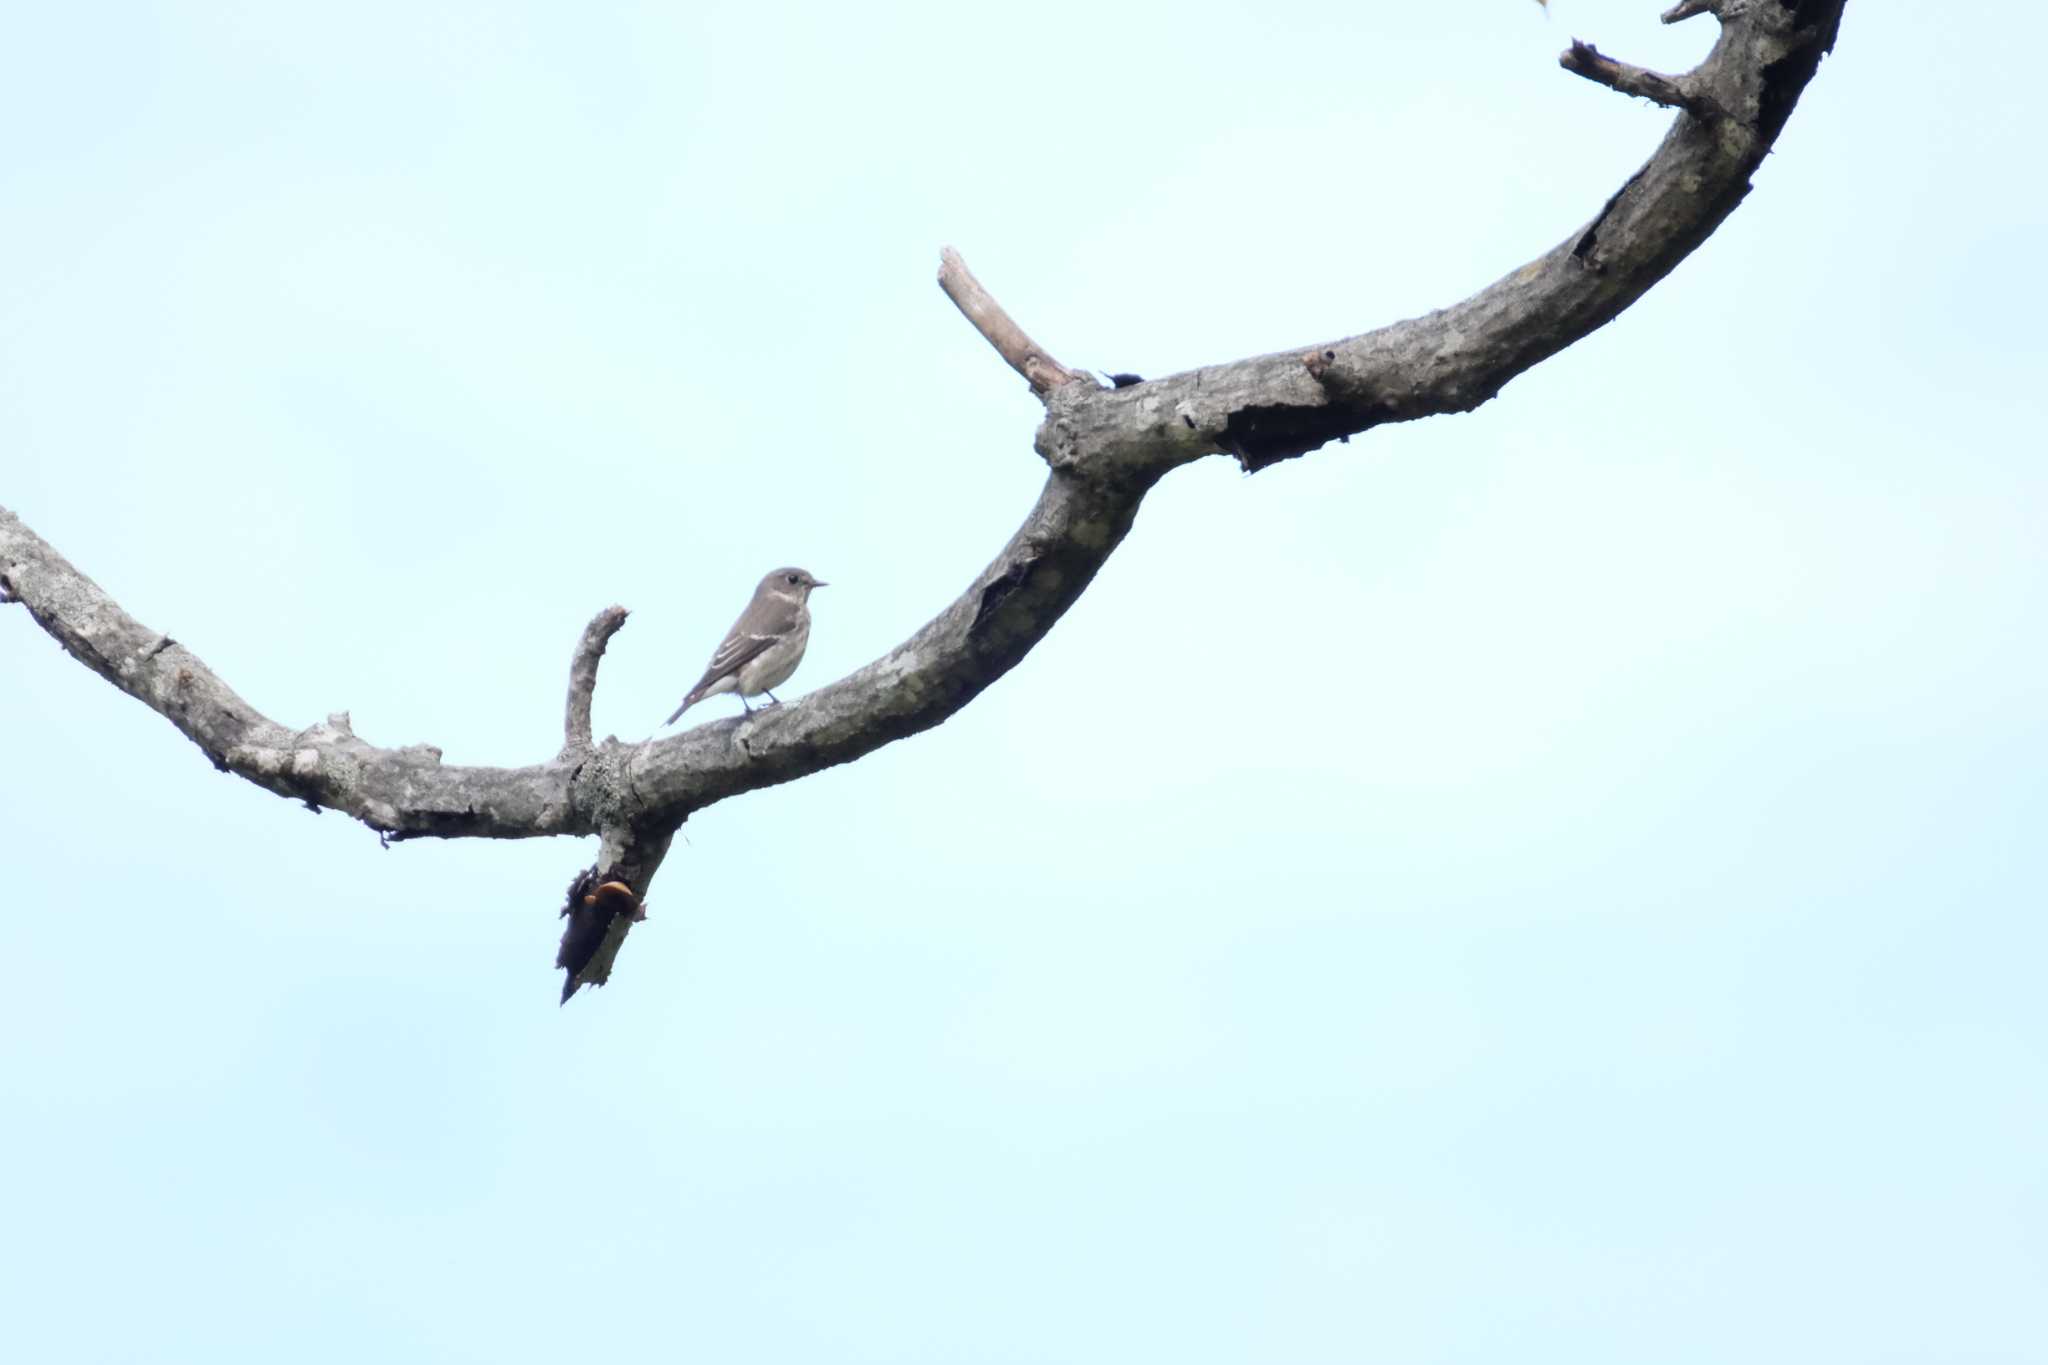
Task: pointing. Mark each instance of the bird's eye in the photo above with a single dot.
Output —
(795, 579)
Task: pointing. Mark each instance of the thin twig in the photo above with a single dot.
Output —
(1583, 59)
(1686, 9)
(1001, 331)
(583, 676)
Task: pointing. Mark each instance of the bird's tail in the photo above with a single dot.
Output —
(688, 702)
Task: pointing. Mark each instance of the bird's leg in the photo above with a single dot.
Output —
(743, 702)
(772, 697)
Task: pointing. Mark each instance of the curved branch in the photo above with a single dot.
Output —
(1275, 407)
(406, 792)
(583, 677)
(1077, 522)
(1106, 448)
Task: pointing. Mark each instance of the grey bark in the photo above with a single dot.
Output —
(1105, 449)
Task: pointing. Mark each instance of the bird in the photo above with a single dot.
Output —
(764, 646)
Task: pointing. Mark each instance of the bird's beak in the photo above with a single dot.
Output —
(816, 584)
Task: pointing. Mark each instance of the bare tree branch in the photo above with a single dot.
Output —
(1076, 523)
(606, 900)
(1686, 9)
(1583, 59)
(1105, 448)
(583, 677)
(404, 792)
(1025, 356)
(604, 903)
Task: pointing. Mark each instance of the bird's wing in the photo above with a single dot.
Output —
(737, 651)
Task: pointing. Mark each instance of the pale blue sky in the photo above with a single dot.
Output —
(1562, 884)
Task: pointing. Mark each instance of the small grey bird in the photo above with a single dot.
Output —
(764, 646)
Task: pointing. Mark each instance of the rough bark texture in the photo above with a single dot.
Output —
(1106, 447)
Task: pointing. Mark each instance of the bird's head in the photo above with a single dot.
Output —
(795, 583)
